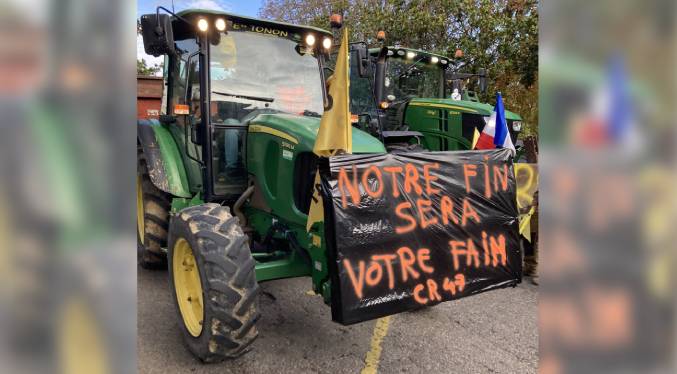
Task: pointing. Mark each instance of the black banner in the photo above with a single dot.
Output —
(415, 229)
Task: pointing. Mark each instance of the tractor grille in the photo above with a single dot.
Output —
(304, 176)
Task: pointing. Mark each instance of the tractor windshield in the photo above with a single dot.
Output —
(409, 78)
(250, 70)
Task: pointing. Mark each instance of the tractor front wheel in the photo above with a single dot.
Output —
(215, 290)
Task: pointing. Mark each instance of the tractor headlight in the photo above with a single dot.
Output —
(326, 43)
(400, 53)
(411, 55)
(517, 126)
(434, 60)
(310, 40)
(203, 25)
(444, 62)
(220, 24)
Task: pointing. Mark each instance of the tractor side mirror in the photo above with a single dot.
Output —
(482, 73)
(194, 135)
(362, 60)
(158, 37)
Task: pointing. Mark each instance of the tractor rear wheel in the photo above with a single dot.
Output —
(152, 218)
(212, 273)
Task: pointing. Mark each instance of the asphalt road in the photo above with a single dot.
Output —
(494, 332)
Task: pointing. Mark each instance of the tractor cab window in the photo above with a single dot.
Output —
(193, 86)
(252, 71)
(361, 97)
(179, 75)
(407, 78)
(183, 88)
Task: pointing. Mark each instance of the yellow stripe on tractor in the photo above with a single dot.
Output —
(273, 132)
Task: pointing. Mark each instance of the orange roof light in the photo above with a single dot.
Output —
(458, 54)
(381, 35)
(336, 21)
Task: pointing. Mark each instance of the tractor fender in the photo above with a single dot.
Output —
(165, 165)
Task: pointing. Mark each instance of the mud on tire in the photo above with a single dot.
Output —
(156, 206)
(228, 281)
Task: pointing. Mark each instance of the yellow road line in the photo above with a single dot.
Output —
(373, 357)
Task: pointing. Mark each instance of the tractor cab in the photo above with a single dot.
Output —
(412, 73)
(417, 95)
(222, 71)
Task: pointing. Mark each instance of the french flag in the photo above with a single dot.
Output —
(495, 133)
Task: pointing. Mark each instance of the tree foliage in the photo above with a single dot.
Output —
(500, 35)
(142, 68)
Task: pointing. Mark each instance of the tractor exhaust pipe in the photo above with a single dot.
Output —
(238, 205)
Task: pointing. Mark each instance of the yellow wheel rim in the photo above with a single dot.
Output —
(188, 287)
(140, 224)
(82, 347)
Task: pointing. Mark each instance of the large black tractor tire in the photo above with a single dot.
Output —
(153, 207)
(404, 148)
(218, 317)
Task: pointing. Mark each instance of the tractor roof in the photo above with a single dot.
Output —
(375, 51)
(244, 19)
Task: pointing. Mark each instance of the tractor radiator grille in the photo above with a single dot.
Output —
(304, 176)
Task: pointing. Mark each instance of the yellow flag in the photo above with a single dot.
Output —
(336, 132)
(475, 138)
(525, 223)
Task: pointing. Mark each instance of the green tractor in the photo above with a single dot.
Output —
(415, 100)
(225, 177)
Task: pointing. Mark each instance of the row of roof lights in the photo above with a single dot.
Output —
(203, 24)
(310, 41)
(220, 24)
(411, 54)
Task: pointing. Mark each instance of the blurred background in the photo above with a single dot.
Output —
(605, 83)
(67, 250)
(607, 199)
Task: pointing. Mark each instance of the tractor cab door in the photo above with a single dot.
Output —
(362, 100)
(229, 118)
(225, 166)
(228, 158)
(183, 94)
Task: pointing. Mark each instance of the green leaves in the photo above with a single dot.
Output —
(143, 69)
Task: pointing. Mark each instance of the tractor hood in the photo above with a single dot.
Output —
(302, 130)
(463, 106)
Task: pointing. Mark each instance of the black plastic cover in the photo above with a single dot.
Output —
(416, 229)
